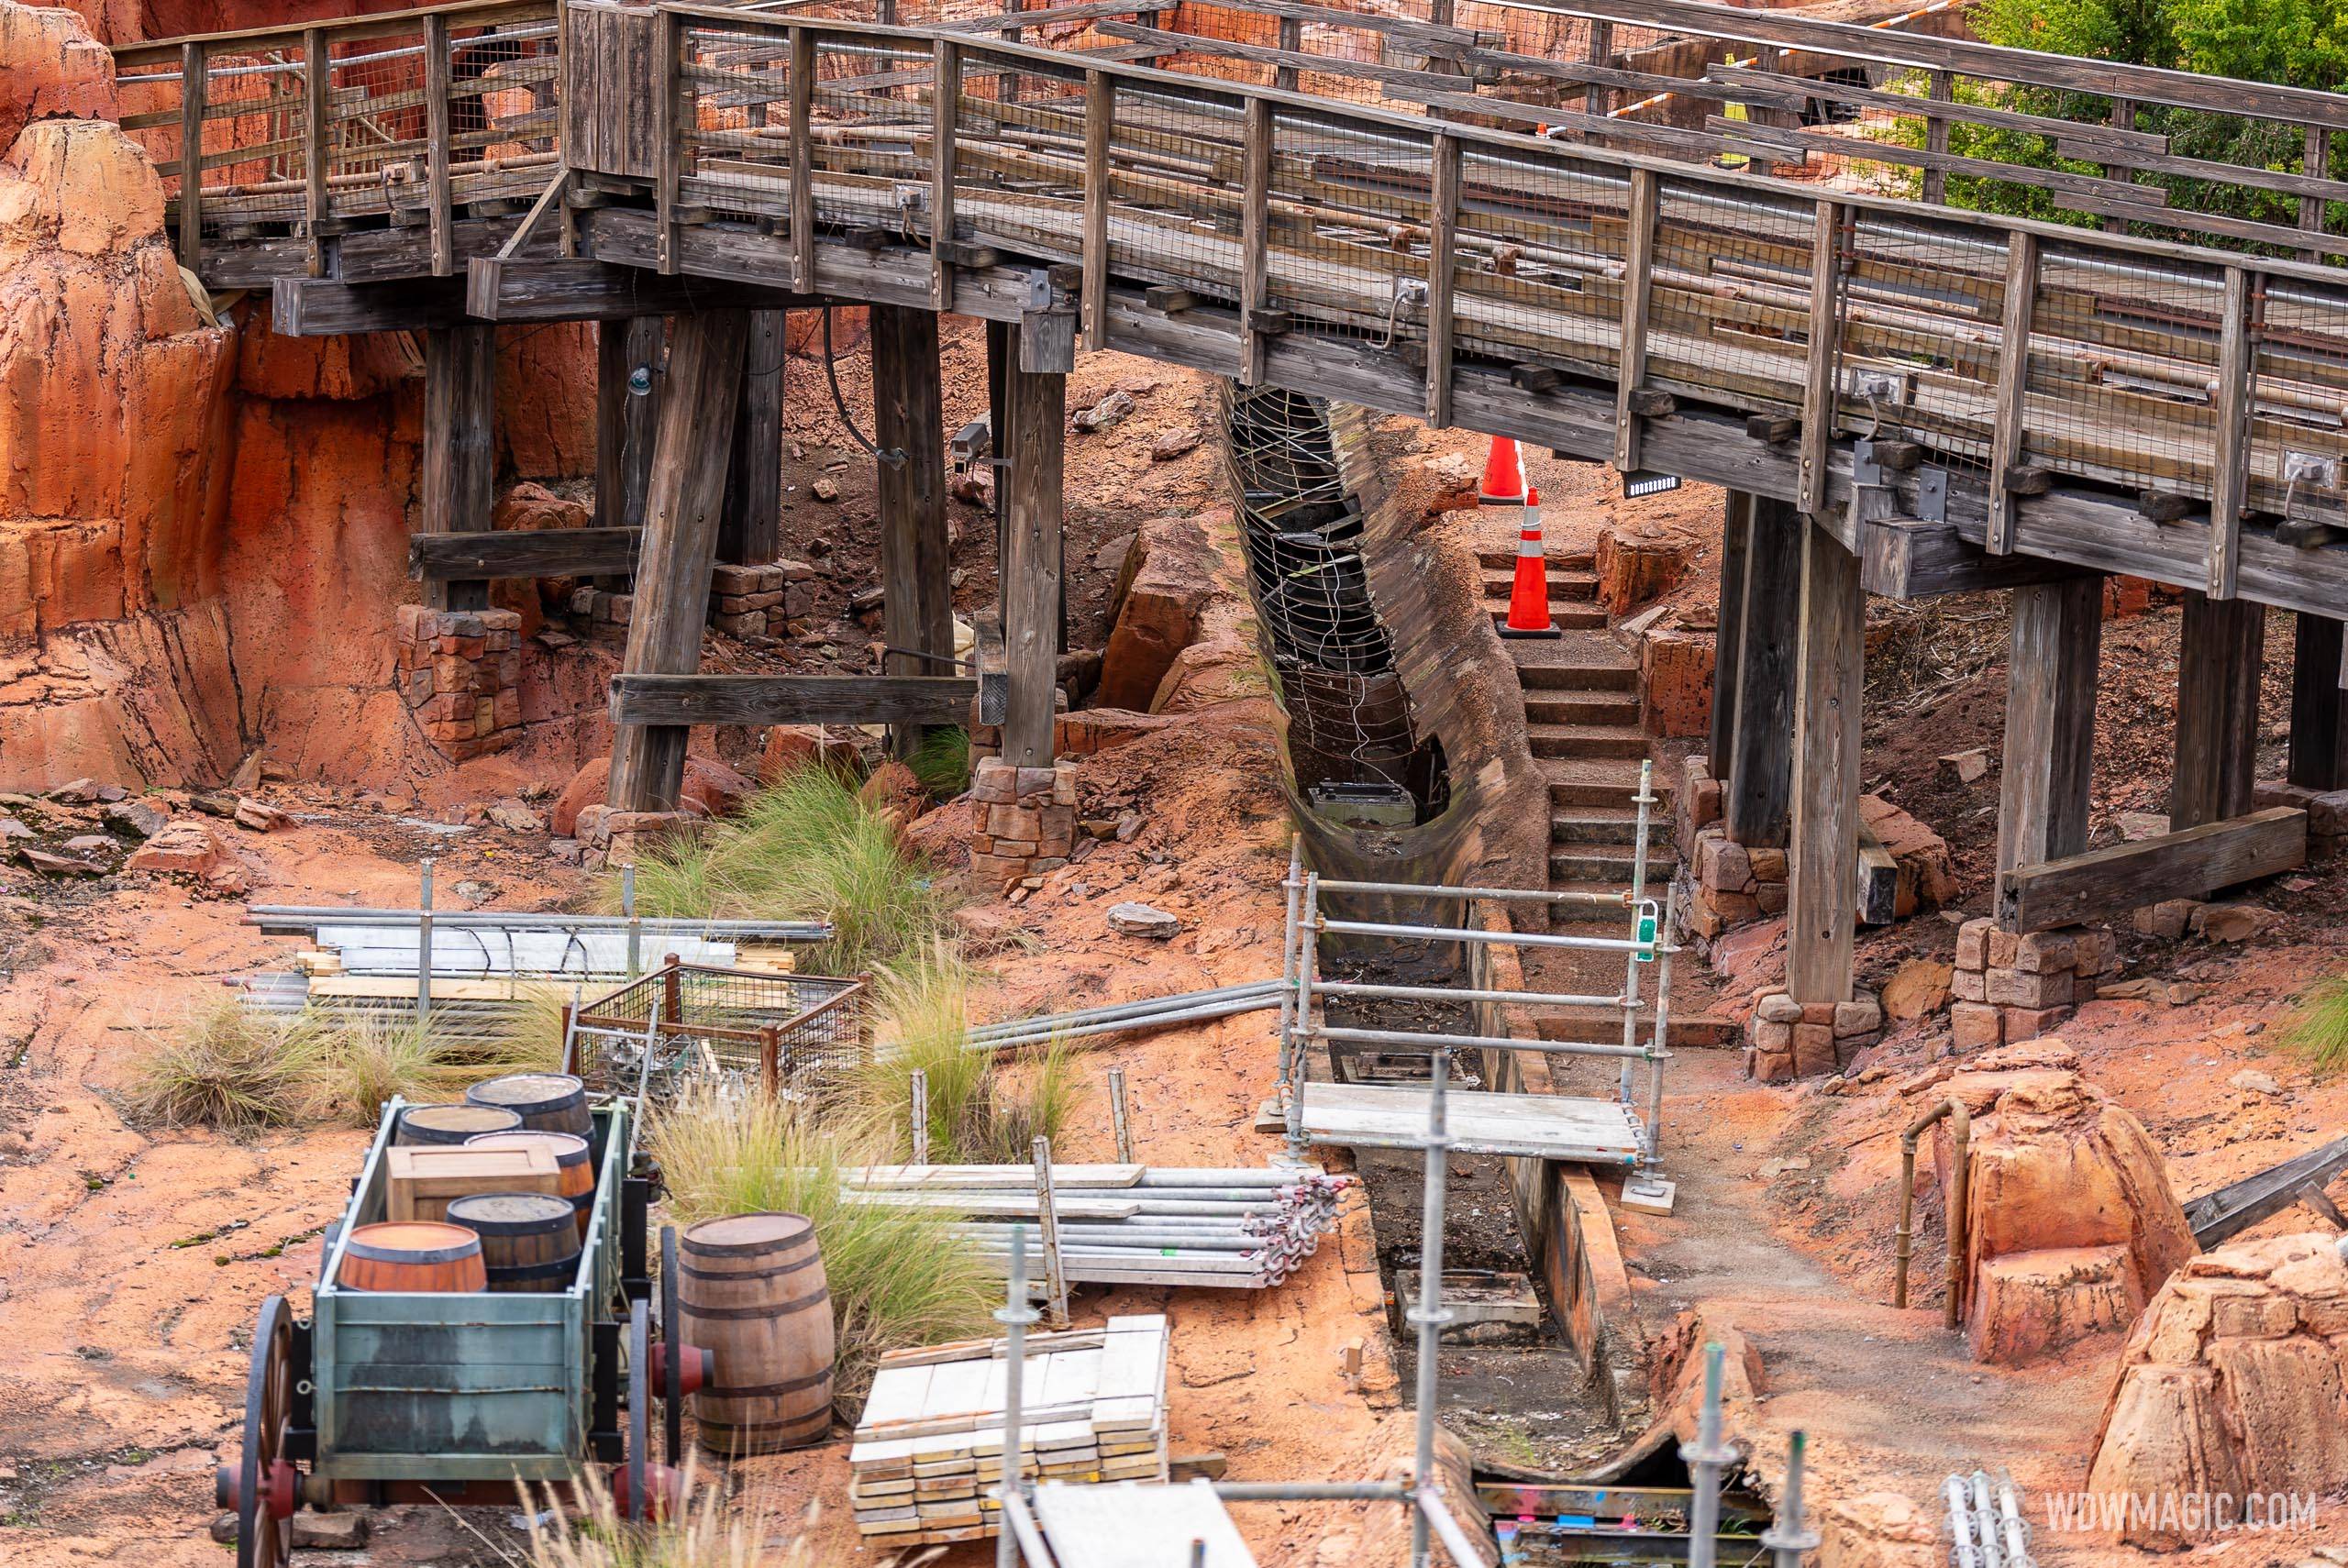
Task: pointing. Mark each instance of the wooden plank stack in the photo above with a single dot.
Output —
(928, 1452)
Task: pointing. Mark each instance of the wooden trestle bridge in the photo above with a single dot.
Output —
(1726, 255)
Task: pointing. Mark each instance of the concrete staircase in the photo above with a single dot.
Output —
(1581, 713)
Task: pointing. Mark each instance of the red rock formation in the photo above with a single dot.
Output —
(710, 788)
(51, 66)
(2231, 1385)
(1167, 580)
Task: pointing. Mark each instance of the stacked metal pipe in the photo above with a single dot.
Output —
(1237, 1229)
(1135, 1017)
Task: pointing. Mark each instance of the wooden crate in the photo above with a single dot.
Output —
(423, 1180)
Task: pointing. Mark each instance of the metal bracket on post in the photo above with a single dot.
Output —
(993, 671)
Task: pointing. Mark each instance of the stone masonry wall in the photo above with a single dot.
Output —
(460, 671)
(1729, 883)
(1026, 821)
(2012, 986)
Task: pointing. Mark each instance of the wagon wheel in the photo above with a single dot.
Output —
(639, 1406)
(672, 1356)
(262, 1487)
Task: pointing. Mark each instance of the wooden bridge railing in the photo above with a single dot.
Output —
(408, 117)
(2003, 352)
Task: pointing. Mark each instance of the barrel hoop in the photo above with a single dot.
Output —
(805, 1238)
(744, 1314)
(555, 1270)
(752, 1391)
(819, 1419)
(810, 1261)
(519, 1229)
(372, 1253)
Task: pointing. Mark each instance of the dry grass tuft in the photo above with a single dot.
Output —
(2318, 1029)
(223, 1066)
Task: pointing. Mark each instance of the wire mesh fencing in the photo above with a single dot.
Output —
(684, 1025)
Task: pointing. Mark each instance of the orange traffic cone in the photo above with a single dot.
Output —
(1528, 598)
(1503, 475)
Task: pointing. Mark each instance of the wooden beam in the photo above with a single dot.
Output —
(1902, 558)
(559, 288)
(318, 110)
(437, 151)
(459, 444)
(1638, 281)
(1877, 877)
(945, 108)
(1757, 791)
(678, 700)
(801, 91)
(523, 552)
(1442, 233)
(2221, 645)
(1820, 392)
(669, 120)
(2051, 665)
(1255, 221)
(1824, 861)
(1100, 109)
(681, 516)
(916, 553)
(749, 532)
(1736, 535)
(191, 198)
(2230, 459)
(2319, 707)
(1031, 585)
(2191, 863)
(625, 418)
(2013, 371)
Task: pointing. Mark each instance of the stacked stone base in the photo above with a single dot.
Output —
(2011, 985)
(460, 672)
(760, 601)
(1026, 821)
(2327, 812)
(1789, 1039)
(618, 838)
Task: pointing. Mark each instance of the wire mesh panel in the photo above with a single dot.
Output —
(1916, 361)
(1540, 239)
(686, 1023)
(503, 85)
(254, 129)
(734, 120)
(2123, 368)
(1729, 320)
(2298, 407)
(1174, 175)
(1346, 238)
(871, 125)
(1019, 155)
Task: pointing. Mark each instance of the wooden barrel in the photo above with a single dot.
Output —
(413, 1254)
(547, 1102)
(421, 1124)
(753, 1295)
(528, 1240)
(575, 1172)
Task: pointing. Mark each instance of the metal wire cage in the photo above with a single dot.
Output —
(684, 1025)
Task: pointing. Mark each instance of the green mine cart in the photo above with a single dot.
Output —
(382, 1397)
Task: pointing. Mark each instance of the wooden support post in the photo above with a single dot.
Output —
(191, 214)
(1600, 52)
(2014, 368)
(460, 444)
(1100, 112)
(625, 418)
(749, 533)
(1031, 588)
(1821, 392)
(1757, 791)
(945, 108)
(2123, 118)
(916, 555)
(681, 516)
(437, 154)
(2056, 638)
(668, 122)
(1002, 348)
(2219, 646)
(1638, 281)
(318, 113)
(1823, 897)
(1443, 229)
(801, 91)
(2319, 706)
(1255, 224)
(1291, 41)
(2229, 457)
(1941, 86)
(2315, 160)
(1736, 532)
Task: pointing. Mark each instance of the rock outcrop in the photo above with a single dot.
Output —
(2231, 1386)
(1166, 582)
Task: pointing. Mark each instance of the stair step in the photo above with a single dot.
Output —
(1567, 617)
(1610, 864)
(1582, 707)
(1575, 678)
(1612, 824)
(1626, 740)
(1682, 1032)
(1565, 587)
(1559, 560)
(1578, 782)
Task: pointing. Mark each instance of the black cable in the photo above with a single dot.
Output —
(895, 456)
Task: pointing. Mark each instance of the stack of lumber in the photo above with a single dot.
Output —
(1130, 1224)
(928, 1452)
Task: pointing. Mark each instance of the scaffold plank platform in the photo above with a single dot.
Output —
(1136, 1525)
(1537, 1126)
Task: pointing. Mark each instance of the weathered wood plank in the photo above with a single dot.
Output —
(1756, 792)
(685, 699)
(2013, 367)
(193, 87)
(1037, 410)
(1819, 397)
(1100, 111)
(459, 456)
(916, 555)
(1443, 234)
(1902, 558)
(523, 552)
(2191, 863)
(679, 547)
(945, 102)
(2220, 644)
(1728, 634)
(1638, 284)
(2318, 757)
(580, 288)
(1877, 877)
(2051, 666)
(749, 531)
(1823, 862)
(437, 153)
(2229, 457)
(1254, 215)
(625, 419)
